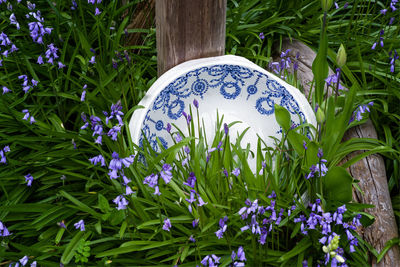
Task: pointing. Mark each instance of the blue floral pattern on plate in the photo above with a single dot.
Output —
(230, 81)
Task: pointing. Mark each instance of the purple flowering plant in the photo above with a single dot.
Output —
(70, 81)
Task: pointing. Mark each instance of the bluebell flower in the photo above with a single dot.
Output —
(60, 65)
(192, 198)
(226, 129)
(27, 116)
(236, 172)
(195, 222)
(332, 80)
(240, 256)
(13, 20)
(360, 110)
(196, 103)
(24, 260)
(210, 260)
(116, 112)
(151, 180)
(36, 28)
(29, 179)
(191, 180)
(168, 128)
(166, 173)
(167, 225)
(261, 35)
(31, 6)
(33, 264)
(192, 239)
(98, 159)
(115, 165)
(92, 60)
(113, 132)
(74, 5)
(121, 202)
(80, 225)
(201, 202)
(97, 12)
(178, 138)
(51, 53)
(40, 60)
(128, 190)
(3, 230)
(6, 90)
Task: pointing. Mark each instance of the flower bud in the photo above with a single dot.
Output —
(326, 4)
(320, 116)
(339, 258)
(341, 56)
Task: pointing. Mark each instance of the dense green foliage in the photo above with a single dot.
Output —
(67, 187)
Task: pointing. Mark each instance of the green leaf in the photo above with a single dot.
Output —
(69, 251)
(282, 117)
(296, 140)
(59, 235)
(389, 244)
(338, 184)
(103, 203)
(80, 205)
(304, 244)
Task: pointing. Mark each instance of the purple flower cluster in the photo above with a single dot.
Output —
(3, 152)
(262, 219)
(344, 6)
(381, 39)
(96, 125)
(36, 28)
(191, 182)
(360, 110)
(28, 179)
(210, 260)
(223, 227)
(7, 45)
(51, 55)
(320, 168)
(286, 63)
(97, 10)
(121, 59)
(3, 230)
(25, 84)
(5, 90)
(98, 159)
(167, 225)
(80, 225)
(240, 255)
(393, 56)
(116, 165)
(13, 21)
(323, 222)
(83, 93)
(27, 116)
(152, 179)
(121, 202)
(333, 80)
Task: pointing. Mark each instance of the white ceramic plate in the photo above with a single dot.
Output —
(233, 85)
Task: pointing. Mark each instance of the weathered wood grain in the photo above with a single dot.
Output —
(189, 29)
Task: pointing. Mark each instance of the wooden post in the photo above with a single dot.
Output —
(189, 29)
